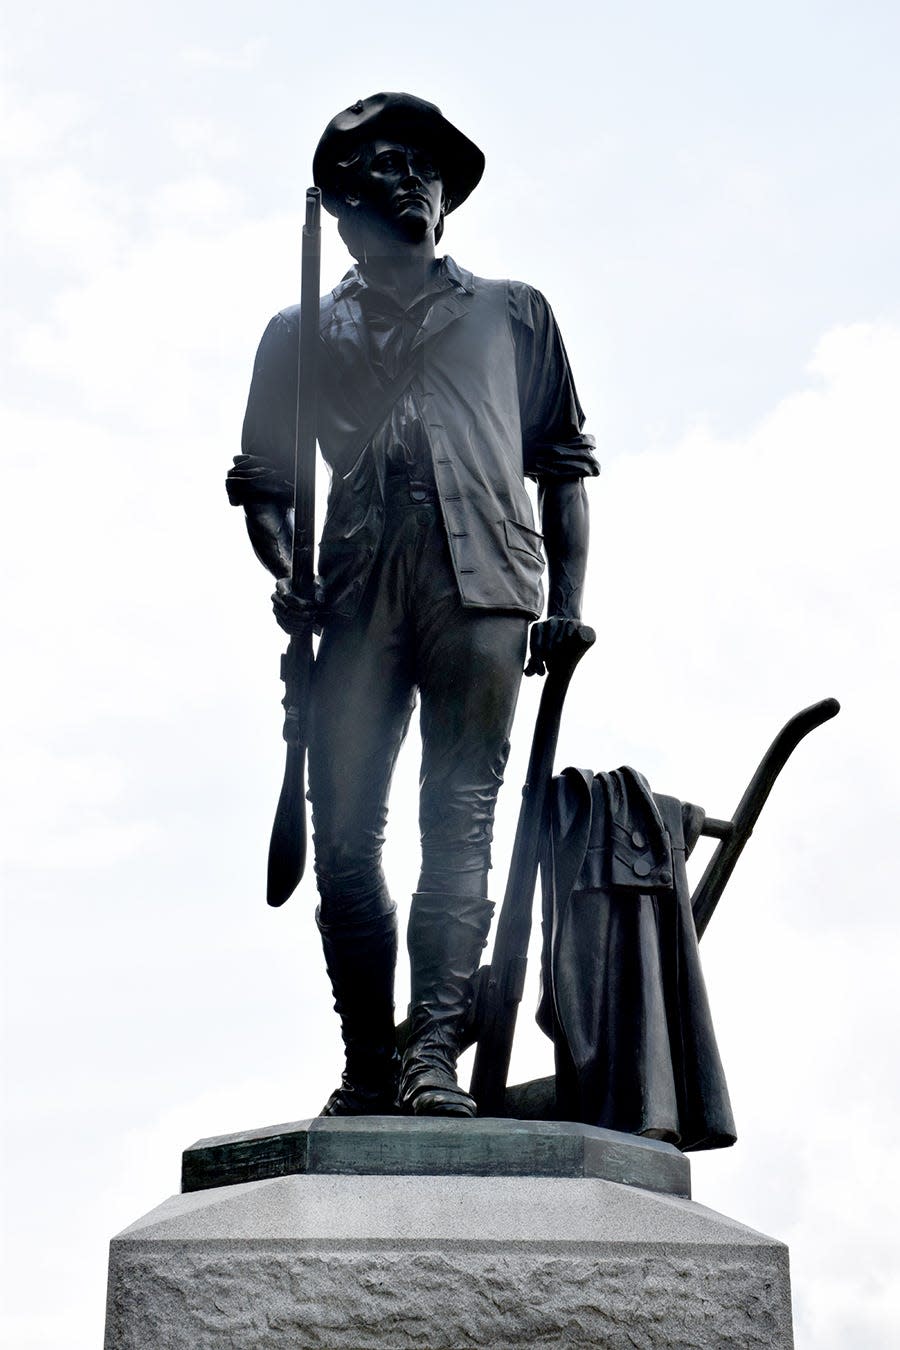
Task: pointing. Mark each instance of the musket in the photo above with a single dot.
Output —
(287, 847)
(501, 988)
(733, 834)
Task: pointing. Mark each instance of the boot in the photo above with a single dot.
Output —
(447, 934)
(360, 959)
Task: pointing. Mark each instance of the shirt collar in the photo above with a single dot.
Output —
(447, 276)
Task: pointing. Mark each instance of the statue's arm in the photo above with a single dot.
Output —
(270, 530)
(559, 456)
(565, 522)
(261, 478)
(256, 485)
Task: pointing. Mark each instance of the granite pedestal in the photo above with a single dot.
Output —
(443, 1234)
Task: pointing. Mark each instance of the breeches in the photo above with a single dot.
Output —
(411, 635)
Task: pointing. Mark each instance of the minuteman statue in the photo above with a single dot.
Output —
(430, 572)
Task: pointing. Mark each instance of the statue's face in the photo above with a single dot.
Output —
(400, 187)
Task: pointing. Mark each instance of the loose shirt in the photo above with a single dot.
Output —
(490, 402)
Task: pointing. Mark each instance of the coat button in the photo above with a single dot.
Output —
(665, 878)
(641, 868)
(638, 840)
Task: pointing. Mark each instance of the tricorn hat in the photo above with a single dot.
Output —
(407, 119)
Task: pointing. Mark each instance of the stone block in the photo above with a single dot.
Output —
(443, 1262)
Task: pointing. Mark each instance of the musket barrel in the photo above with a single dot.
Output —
(287, 846)
(302, 564)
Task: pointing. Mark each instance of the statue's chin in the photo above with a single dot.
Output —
(380, 235)
(410, 225)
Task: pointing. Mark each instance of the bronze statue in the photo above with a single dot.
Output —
(429, 571)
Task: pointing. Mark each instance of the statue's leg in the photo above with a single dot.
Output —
(446, 937)
(361, 705)
(360, 959)
(469, 670)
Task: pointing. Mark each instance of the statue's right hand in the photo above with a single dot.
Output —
(294, 615)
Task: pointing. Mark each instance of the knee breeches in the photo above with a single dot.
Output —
(412, 636)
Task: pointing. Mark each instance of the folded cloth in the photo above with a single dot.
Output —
(623, 996)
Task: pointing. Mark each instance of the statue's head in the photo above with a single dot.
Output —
(392, 164)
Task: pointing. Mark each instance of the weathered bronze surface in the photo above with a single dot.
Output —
(433, 395)
(438, 393)
(623, 994)
(388, 1146)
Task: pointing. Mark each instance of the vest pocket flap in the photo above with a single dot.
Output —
(523, 538)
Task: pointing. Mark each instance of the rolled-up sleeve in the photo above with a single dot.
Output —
(554, 445)
(269, 422)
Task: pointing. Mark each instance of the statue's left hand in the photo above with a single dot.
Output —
(545, 638)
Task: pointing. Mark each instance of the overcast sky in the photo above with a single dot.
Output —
(708, 195)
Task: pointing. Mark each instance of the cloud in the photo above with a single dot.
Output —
(743, 578)
(194, 203)
(60, 809)
(63, 220)
(155, 332)
(34, 126)
(245, 57)
(202, 137)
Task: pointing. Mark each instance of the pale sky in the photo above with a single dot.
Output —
(708, 195)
